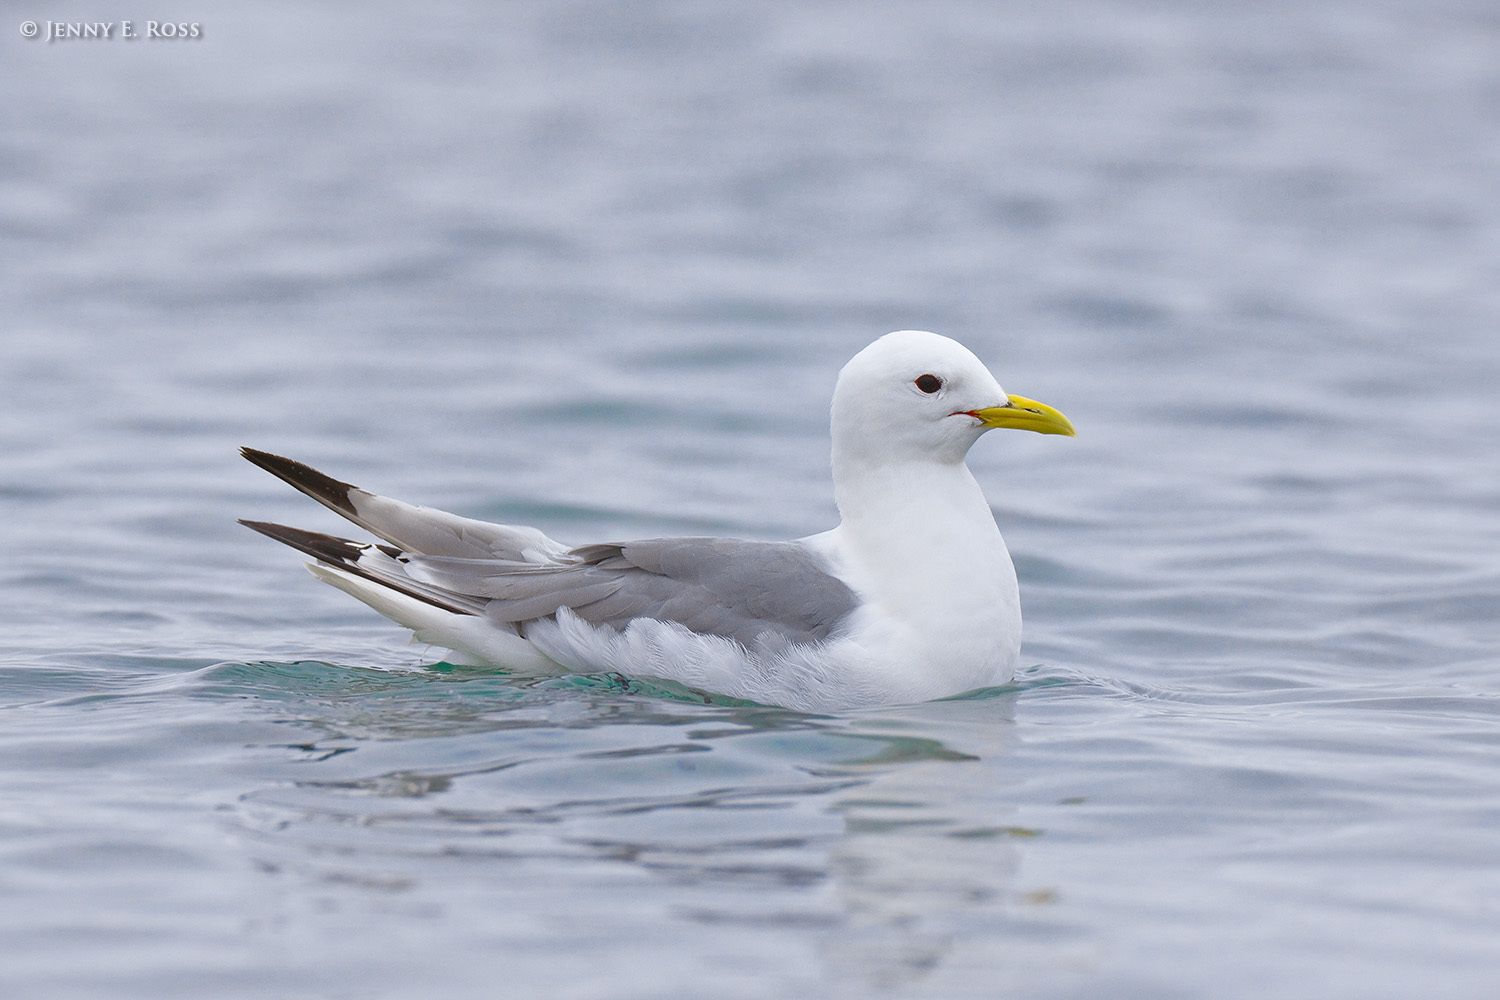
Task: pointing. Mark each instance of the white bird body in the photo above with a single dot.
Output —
(913, 595)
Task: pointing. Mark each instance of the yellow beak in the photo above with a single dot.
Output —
(1024, 414)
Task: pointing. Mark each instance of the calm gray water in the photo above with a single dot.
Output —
(595, 267)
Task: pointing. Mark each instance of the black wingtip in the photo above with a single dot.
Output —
(330, 492)
(343, 554)
(325, 548)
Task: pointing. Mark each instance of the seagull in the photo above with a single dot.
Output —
(911, 597)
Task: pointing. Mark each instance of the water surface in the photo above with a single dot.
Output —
(595, 268)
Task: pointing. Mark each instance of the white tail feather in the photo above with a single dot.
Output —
(473, 639)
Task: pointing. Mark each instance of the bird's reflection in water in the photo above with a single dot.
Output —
(877, 846)
(929, 850)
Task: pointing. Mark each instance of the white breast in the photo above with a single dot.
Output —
(941, 610)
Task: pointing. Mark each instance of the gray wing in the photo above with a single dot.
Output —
(756, 593)
(753, 592)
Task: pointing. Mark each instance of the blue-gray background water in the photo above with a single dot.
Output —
(595, 267)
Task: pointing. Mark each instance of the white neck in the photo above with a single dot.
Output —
(880, 496)
(921, 541)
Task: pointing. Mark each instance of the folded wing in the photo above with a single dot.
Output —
(756, 593)
(760, 594)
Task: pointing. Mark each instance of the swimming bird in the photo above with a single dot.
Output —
(911, 597)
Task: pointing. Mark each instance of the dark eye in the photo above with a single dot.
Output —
(929, 383)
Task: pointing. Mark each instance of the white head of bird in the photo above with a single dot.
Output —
(918, 397)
